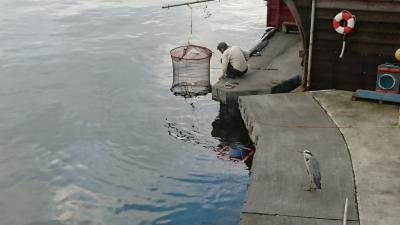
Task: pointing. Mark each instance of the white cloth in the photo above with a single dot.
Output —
(237, 57)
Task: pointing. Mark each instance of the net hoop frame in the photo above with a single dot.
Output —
(209, 52)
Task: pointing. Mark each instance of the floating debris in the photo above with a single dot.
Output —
(236, 152)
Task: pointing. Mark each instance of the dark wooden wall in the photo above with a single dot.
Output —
(373, 41)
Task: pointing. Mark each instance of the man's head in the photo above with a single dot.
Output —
(222, 46)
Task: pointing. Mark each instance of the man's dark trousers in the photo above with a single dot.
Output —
(234, 73)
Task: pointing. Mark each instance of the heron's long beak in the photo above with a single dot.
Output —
(300, 151)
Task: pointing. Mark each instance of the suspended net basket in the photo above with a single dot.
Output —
(191, 70)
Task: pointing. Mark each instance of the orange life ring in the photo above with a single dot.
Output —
(344, 22)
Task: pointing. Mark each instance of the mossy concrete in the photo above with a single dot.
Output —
(279, 61)
(372, 133)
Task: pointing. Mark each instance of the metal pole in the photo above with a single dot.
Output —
(186, 3)
(345, 212)
(310, 46)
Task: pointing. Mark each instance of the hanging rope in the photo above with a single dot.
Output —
(191, 28)
(191, 19)
(191, 23)
(343, 23)
(343, 46)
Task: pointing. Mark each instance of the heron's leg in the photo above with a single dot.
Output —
(313, 188)
(312, 185)
(309, 187)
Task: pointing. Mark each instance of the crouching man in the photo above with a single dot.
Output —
(234, 61)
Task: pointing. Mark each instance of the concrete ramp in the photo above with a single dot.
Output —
(281, 125)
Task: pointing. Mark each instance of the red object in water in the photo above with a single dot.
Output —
(277, 13)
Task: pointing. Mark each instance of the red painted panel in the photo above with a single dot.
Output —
(386, 69)
(385, 91)
(277, 13)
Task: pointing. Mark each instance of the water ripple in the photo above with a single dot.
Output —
(85, 93)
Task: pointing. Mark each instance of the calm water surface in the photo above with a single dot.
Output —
(91, 134)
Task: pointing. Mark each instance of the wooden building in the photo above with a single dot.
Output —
(373, 41)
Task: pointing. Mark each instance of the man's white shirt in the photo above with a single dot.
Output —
(237, 57)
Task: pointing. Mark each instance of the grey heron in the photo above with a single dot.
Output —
(313, 170)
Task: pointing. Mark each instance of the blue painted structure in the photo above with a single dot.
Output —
(388, 78)
(380, 96)
(237, 151)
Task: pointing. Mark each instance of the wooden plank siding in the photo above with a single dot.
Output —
(373, 41)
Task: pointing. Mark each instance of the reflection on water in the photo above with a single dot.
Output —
(229, 127)
(188, 135)
(90, 132)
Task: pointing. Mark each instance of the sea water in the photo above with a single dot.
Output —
(91, 134)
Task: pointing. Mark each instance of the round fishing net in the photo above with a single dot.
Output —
(191, 70)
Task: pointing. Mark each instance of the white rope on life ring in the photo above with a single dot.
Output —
(344, 23)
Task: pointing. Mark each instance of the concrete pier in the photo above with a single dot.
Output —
(356, 142)
(279, 61)
(281, 125)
